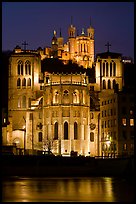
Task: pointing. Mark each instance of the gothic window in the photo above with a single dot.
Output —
(28, 68)
(84, 97)
(19, 102)
(114, 69)
(24, 102)
(109, 84)
(104, 84)
(103, 69)
(111, 69)
(24, 83)
(40, 136)
(18, 83)
(20, 68)
(56, 97)
(65, 96)
(114, 84)
(75, 131)
(84, 48)
(75, 96)
(107, 71)
(65, 131)
(29, 102)
(56, 131)
(29, 82)
(91, 136)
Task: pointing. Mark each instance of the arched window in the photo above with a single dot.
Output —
(114, 69)
(24, 83)
(104, 84)
(18, 83)
(103, 68)
(29, 82)
(29, 102)
(19, 102)
(114, 83)
(28, 68)
(65, 131)
(110, 68)
(109, 84)
(107, 71)
(76, 96)
(24, 102)
(20, 68)
(75, 131)
(56, 131)
(56, 97)
(65, 96)
(40, 136)
(91, 136)
(84, 96)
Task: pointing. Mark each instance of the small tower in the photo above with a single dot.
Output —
(60, 44)
(90, 31)
(60, 40)
(54, 45)
(71, 30)
(72, 40)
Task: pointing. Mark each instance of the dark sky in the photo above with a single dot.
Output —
(35, 22)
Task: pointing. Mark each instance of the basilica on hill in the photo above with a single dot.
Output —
(67, 113)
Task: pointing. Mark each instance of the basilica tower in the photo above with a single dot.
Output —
(71, 40)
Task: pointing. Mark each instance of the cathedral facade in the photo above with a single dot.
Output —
(61, 112)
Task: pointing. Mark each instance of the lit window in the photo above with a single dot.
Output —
(124, 121)
(124, 146)
(131, 122)
(131, 112)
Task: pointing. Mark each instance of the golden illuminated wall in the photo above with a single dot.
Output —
(109, 71)
(24, 71)
(66, 100)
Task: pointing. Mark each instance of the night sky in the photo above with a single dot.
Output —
(35, 22)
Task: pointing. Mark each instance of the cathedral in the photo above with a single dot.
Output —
(66, 113)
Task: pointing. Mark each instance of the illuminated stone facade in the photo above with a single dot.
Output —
(78, 48)
(64, 112)
(64, 115)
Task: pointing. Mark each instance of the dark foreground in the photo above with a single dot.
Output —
(52, 166)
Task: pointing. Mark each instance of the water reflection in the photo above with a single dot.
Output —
(97, 189)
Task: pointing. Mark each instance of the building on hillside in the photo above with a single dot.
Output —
(67, 112)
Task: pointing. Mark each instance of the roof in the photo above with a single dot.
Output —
(109, 54)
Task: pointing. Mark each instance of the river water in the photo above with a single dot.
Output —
(67, 189)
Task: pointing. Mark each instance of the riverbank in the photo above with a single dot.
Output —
(48, 166)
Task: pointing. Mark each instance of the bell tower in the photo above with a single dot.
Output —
(71, 40)
(90, 34)
(54, 45)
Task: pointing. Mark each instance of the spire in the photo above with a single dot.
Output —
(83, 31)
(60, 33)
(90, 20)
(71, 20)
(54, 33)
